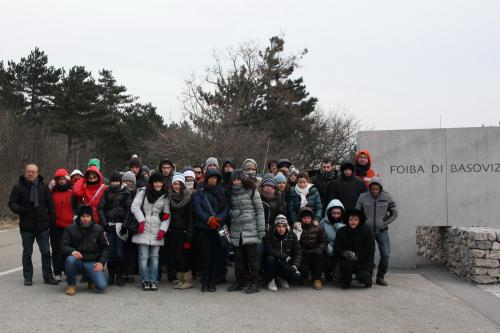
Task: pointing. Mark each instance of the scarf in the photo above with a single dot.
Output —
(152, 195)
(178, 200)
(362, 170)
(62, 188)
(189, 185)
(303, 194)
(33, 192)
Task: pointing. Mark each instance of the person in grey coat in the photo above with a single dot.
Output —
(247, 229)
(152, 210)
(380, 210)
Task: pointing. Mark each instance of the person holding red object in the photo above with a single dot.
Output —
(152, 210)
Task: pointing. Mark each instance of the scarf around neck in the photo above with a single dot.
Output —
(303, 194)
(33, 191)
(180, 199)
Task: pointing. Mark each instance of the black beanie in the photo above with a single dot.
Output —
(115, 177)
(84, 209)
(156, 177)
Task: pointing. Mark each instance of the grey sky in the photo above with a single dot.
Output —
(393, 64)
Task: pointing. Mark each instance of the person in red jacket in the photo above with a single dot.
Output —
(90, 189)
(65, 206)
(363, 166)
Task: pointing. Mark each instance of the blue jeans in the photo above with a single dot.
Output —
(384, 250)
(73, 267)
(148, 272)
(42, 239)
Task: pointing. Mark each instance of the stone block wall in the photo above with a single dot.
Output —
(470, 252)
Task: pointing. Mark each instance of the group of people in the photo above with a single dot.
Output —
(277, 229)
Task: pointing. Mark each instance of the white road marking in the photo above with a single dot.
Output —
(11, 271)
(8, 230)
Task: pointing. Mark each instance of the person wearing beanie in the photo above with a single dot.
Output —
(293, 172)
(227, 168)
(90, 189)
(113, 209)
(322, 180)
(95, 162)
(135, 165)
(281, 182)
(211, 211)
(282, 256)
(283, 166)
(272, 166)
(347, 188)
(129, 179)
(313, 244)
(86, 250)
(66, 206)
(363, 166)
(355, 249)
(331, 223)
(211, 163)
(249, 168)
(152, 211)
(246, 231)
(128, 228)
(301, 195)
(273, 201)
(75, 175)
(380, 209)
(180, 234)
(190, 177)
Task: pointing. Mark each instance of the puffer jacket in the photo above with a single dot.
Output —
(114, 205)
(202, 209)
(282, 247)
(331, 227)
(151, 214)
(346, 189)
(380, 211)
(312, 239)
(313, 201)
(90, 194)
(360, 241)
(247, 217)
(272, 207)
(30, 218)
(65, 204)
(90, 242)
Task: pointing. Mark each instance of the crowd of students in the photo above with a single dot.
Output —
(277, 229)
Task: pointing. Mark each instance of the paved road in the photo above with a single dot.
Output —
(412, 303)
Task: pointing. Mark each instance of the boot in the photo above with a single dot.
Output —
(236, 286)
(204, 284)
(119, 281)
(111, 274)
(179, 280)
(211, 284)
(253, 288)
(188, 281)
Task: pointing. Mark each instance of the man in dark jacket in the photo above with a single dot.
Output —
(167, 169)
(135, 165)
(323, 179)
(355, 249)
(282, 255)
(86, 248)
(32, 200)
(347, 188)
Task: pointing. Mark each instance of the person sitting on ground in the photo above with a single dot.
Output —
(86, 249)
(355, 249)
(282, 256)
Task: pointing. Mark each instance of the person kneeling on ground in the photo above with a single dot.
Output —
(86, 248)
(282, 256)
(355, 248)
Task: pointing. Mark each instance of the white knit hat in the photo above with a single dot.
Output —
(76, 172)
(179, 177)
(189, 173)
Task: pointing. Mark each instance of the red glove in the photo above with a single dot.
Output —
(187, 246)
(160, 235)
(213, 222)
(165, 216)
(140, 228)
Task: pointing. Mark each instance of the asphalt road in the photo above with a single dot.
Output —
(412, 303)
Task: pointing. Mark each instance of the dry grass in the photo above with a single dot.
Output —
(8, 223)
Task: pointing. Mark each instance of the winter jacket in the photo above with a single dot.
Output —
(141, 180)
(360, 241)
(90, 242)
(90, 194)
(282, 247)
(65, 205)
(182, 219)
(313, 201)
(202, 210)
(273, 207)
(346, 189)
(312, 239)
(322, 182)
(331, 227)
(380, 211)
(361, 175)
(114, 205)
(32, 218)
(130, 222)
(247, 217)
(153, 216)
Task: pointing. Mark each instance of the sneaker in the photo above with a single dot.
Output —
(153, 286)
(52, 282)
(58, 277)
(145, 285)
(70, 290)
(28, 283)
(381, 282)
(272, 286)
(236, 286)
(284, 284)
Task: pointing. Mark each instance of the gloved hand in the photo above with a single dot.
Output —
(140, 227)
(187, 246)
(349, 255)
(160, 235)
(165, 216)
(213, 222)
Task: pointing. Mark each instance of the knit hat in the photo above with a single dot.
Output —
(237, 174)
(96, 162)
(284, 163)
(134, 162)
(76, 172)
(84, 209)
(280, 178)
(268, 182)
(61, 173)
(281, 219)
(179, 177)
(306, 211)
(189, 173)
(293, 170)
(128, 176)
(115, 177)
(229, 161)
(155, 177)
(249, 160)
(210, 160)
(211, 173)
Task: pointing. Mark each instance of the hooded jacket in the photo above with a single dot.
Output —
(364, 175)
(346, 189)
(32, 218)
(247, 217)
(331, 227)
(90, 242)
(90, 194)
(282, 247)
(65, 205)
(380, 211)
(359, 240)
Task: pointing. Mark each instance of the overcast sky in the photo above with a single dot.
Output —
(393, 64)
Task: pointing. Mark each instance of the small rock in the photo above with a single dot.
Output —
(495, 246)
(494, 255)
(489, 263)
(483, 244)
(495, 272)
(475, 253)
(484, 279)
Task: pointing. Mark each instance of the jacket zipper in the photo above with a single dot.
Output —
(374, 215)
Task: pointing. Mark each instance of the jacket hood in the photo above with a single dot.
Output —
(346, 164)
(335, 203)
(94, 169)
(306, 211)
(166, 161)
(284, 162)
(376, 180)
(366, 152)
(61, 173)
(212, 172)
(230, 161)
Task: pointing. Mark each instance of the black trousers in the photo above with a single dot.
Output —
(177, 252)
(274, 268)
(55, 242)
(209, 249)
(349, 268)
(312, 262)
(246, 256)
(331, 263)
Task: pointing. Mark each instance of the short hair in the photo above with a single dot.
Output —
(327, 161)
(302, 175)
